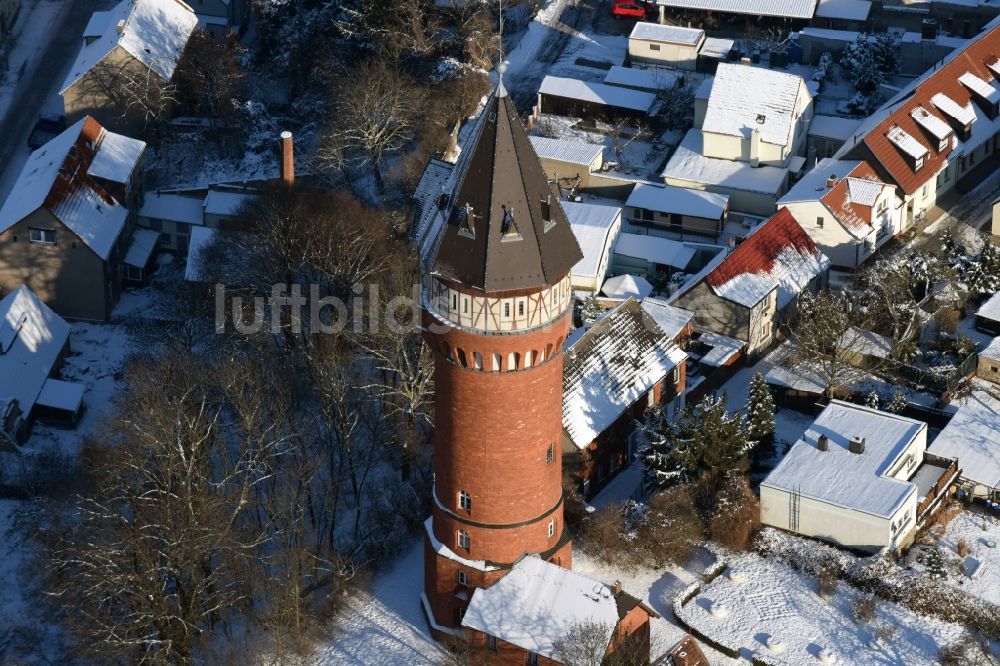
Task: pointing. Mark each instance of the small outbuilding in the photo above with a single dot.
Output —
(989, 362)
(596, 227)
(988, 315)
(665, 45)
(678, 209)
(562, 96)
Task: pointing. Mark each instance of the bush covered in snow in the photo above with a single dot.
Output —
(870, 59)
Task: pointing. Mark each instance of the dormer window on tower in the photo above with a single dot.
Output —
(508, 227)
(547, 213)
(467, 221)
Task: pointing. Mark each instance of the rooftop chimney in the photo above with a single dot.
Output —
(856, 445)
(745, 61)
(121, 27)
(287, 159)
(831, 180)
(617, 587)
(754, 147)
(823, 443)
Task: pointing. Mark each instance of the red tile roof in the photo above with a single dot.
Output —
(855, 217)
(976, 58)
(758, 253)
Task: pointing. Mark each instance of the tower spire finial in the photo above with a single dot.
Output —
(501, 63)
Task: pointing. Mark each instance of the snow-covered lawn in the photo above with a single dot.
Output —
(385, 625)
(658, 588)
(978, 572)
(758, 603)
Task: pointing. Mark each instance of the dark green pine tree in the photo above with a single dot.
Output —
(760, 410)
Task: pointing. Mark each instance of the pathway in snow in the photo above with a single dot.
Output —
(385, 626)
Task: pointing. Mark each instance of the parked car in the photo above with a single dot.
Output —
(47, 127)
(632, 8)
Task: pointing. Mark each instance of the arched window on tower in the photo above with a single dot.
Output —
(527, 359)
(477, 359)
(497, 363)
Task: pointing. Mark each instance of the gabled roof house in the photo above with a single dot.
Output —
(136, 37)
(67, 225)
(755, 288)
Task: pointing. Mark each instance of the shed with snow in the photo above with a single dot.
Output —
(592, 101)
(665, 45)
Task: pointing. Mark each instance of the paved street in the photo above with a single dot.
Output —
(38, 91)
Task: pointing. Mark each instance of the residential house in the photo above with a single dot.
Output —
(220, 17)
(592, 101)
(678, 210)
(846, 209)
(136, 39)
(857, 478)
(971, 437)
(755, 115)
(34, 340)
(617, 369)
(66, 231)
(596, 227)
(755, 288)
(522, 617)
(665, 45)
(9, 9)
(937, 129)
(988, 315)
(989, 362)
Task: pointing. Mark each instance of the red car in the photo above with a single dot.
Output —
(632, 8)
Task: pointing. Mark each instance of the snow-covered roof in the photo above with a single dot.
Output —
(992, 350)
(671, 34)
(538, 603)
(655, 250)
(971, 436)
(173, 207)
(144, 242)
(863, 190)
(616, 362)
(627, 286)
(938, 128)
(793, 9)
(688, 163)
(116, 157)
(778, 254)
(856, 481)
(812, 185)
(430, 190)
(723, 348)
(833, 127)
(225, 202)
(906, 142)
(59, 394)
(979, 86)
(653, 79)
(56, 177)
(748, 98)
(679, 200)
(592, 225)
(670, 318)
(990, 309)
(963, 114)
(154, 32)
(201, 237)
(96, 25)
(567, 150)
(597, 93)
(716, 47)
(847, 10)
(32, 337)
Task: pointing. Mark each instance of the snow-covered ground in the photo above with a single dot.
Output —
(978, 572)
(385, 625)
(762, 602)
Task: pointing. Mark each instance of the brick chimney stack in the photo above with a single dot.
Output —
(287, 159)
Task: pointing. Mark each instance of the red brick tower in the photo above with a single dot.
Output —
(497, 309)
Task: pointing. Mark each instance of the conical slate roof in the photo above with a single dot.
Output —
(506, 230)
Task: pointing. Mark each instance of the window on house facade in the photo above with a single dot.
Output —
(550, 453)
(43, 236)
(491, 642)
(454, 302)
(506, 310)
(819, 221)
(465, 304)
(552, 528)
(882, 206)
(675, 375)
(463, 540)
(924, 191)
(533, 656)
(918, 164)
(463, 580)
(654, 47)
(520, 308)
(477, 360)
(497, 362)
(465, 500)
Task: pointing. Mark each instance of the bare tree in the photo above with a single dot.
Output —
(625, 132)
(209, 77)
(584, 644)
(375, 110)
(133, 91)
(480, 38)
